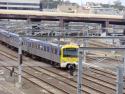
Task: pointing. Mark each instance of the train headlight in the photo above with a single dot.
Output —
(63, 61)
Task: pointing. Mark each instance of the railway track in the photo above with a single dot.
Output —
(75, 85)
(37, 78)
(92, 84)
(66, 89)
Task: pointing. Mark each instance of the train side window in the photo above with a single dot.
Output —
(44, 48)
(29, 44)
(23, 43)
(26, 43)
(38, 46)
(48, 48)
(35, 45)
(15, 39)
(55, 51)
(52, 50)
(41, 47)
(58, 51)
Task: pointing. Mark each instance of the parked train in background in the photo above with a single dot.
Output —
(59, 55)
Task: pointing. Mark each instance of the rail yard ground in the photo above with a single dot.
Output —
(42, 78)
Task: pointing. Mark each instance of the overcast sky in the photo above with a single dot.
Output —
(100, 1)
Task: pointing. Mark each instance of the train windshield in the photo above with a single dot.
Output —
(70, 52)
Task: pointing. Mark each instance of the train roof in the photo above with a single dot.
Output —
(7, 32)
(42, 42)
(55, 44)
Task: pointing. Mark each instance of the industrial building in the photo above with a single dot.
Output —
(20, 5)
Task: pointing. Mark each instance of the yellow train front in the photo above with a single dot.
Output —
(69, 55)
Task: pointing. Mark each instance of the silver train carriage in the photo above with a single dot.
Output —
(62, 55)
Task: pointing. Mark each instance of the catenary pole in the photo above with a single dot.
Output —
(20, 61)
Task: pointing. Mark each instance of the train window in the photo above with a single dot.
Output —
(55, 51)
(58, 51)
(52, 50)
(26, 43)
(70, 52)
(23, 43)
(35, 46)
(29, 44)
(38, 46)
(44, 48)
(14, 38)
(41, 47)
(47, 48)
(32, 45)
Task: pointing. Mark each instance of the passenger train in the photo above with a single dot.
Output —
(59, 55)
